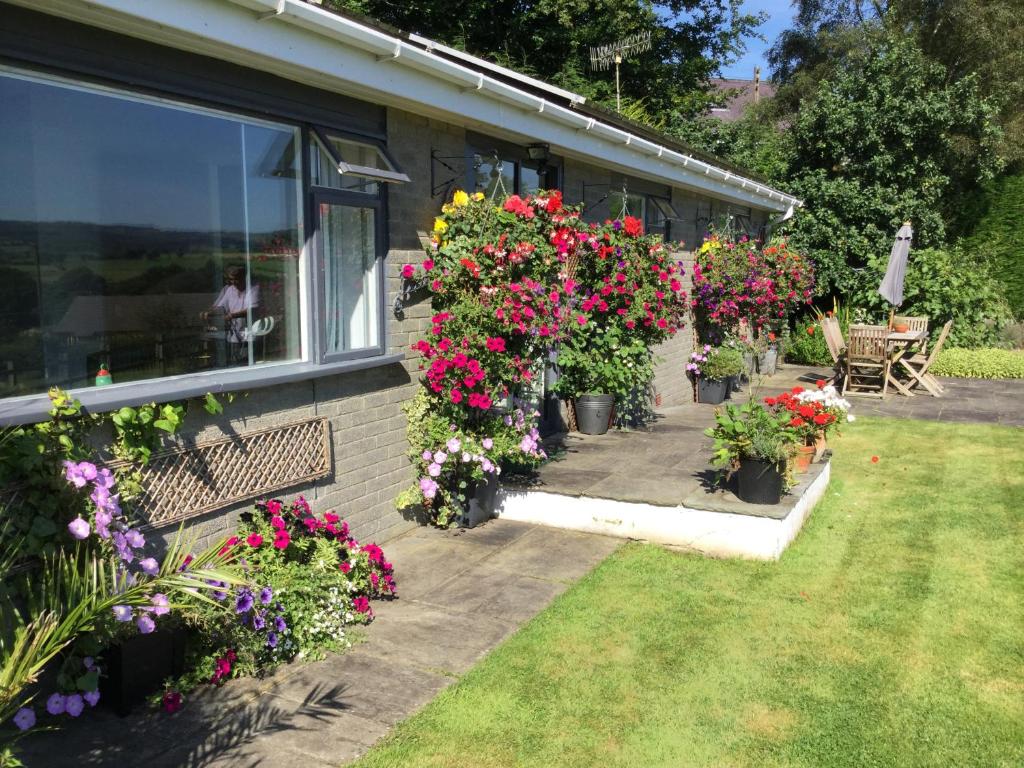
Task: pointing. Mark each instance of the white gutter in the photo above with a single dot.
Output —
(294, 39)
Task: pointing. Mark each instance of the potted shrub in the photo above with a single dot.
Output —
(753, 443)
(713, 368)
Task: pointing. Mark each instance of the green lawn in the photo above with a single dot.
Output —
(890, 634)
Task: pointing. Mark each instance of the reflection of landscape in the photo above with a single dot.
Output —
(74, 296)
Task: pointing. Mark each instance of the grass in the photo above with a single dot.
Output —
(890, 634)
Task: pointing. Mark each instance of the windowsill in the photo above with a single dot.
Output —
(23, 410)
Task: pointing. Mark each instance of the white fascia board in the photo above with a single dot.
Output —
(300, 42)
(475, 61)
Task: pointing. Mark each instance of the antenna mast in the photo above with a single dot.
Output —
(603, 56)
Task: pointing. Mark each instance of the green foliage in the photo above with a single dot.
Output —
(990, 363)
(750, 431)
(996, 240)
(31, 457)
(885, 139)
(941, 285)
(721, 363)
(71, 597)
(806, 344)
(551, 39)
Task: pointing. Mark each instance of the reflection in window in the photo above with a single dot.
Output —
(495, 177)
(351, 277)
(625, 204)
(152, 238)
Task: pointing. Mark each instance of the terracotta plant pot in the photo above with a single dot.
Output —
(901, 328)
(802, 458)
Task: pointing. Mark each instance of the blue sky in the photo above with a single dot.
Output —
(780, 15)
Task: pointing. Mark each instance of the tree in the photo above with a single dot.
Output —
(691, 40)
(888, 138)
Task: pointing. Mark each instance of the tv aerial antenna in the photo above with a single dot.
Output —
(604, 56)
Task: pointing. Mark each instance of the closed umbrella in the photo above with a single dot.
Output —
(891, 286)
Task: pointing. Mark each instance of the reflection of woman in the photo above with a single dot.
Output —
(236, 303)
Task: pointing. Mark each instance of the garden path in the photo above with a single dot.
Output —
(461, 594)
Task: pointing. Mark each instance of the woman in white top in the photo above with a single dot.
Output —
(236, 302)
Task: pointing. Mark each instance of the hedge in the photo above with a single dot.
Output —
(980, 363)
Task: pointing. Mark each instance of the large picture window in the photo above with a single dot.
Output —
(147, 237)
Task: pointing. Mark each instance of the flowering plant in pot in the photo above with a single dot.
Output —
(629, 297)
(753, 443)
(712, 368)
(812, 414)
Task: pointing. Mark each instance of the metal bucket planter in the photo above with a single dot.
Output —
(758, 482)
(767, 361)
(593, 413)
(712, 391)
(480, 503)
(735, 384)
(749, 367)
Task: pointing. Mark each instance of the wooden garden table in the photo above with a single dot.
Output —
(898, 345)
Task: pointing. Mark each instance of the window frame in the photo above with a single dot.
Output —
(313, 360)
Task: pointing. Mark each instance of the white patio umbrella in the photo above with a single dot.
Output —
(891, 287)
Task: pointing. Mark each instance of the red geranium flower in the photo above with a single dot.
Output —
(633, 226)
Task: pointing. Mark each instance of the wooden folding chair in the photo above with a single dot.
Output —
(834, 341)
(867, 361)
(914, 323)
(917, 365)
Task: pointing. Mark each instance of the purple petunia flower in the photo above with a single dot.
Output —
(266, 595)
(160, 603)
(259, 620)
(279, 624)
(487, 443)
(244, 601)
(103, 520)
(145, 624)
(88, 662)
(150, 566)
(427, 455)
(92, 698)
(135, 538)
(79, 528)
(434, 470)
(124, 550)
(122, 613)
(74, 705)
(271, 639)
(55, 704)
(104, 479)
(453, 445)
(25, 718)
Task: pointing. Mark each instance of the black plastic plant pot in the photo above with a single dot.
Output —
(712, 391)
(137, 667)
(594, 413)
(758, 482)
(480, 503)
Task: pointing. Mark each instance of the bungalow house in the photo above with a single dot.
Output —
(267, 167)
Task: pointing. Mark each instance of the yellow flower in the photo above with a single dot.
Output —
(460, 198)
(447, 208)
(440, 225)
(478, 196)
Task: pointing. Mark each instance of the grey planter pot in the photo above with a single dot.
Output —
(712, 391)
(767, 361)
(748, 361)
(593, 413)
(480, 507)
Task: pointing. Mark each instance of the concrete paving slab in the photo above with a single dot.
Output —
(498, 594)
(410, 630)
(668, 492)
(554, 554)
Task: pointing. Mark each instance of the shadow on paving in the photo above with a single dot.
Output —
(461, 593)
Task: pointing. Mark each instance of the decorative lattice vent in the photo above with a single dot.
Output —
(187, 482)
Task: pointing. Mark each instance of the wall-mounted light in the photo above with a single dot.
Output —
(539, 152)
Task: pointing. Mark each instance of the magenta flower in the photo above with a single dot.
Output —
(429, 487)
(79, 528)
(453, 445)
(488, 443)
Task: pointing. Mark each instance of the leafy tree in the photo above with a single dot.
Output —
(886, 139)
(996, 240)
(551, 39)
